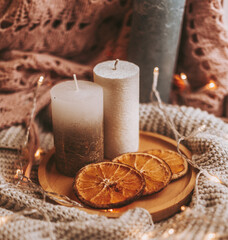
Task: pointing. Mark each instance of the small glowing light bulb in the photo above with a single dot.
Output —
(214, 179)
(3, 220)
(145, 237)
(171, 231)
(211, 85)
(38, 152)
(155, 79)
(183, 76)
(167, 233)
(156, 70)
(210, 236)
(18, 174)
(181, 81)
(183, 208)
(40, 81)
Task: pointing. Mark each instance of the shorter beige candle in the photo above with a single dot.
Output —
(77, 115)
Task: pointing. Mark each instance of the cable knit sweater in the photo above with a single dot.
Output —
(55, 39)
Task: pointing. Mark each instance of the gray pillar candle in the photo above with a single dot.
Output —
(155, 33)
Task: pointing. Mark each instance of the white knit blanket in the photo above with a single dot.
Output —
(209, 149)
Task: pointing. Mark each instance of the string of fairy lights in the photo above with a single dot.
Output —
(172, 232)
(22, 179)
(179, 138)
(24, 182)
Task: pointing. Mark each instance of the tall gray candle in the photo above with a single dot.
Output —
(154, 41)
(77, 115)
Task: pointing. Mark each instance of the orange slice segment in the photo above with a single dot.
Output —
(108, 185)
(156, 172)
(176, 162)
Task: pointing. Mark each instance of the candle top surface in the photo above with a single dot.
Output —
(66, 91)
(124, 69)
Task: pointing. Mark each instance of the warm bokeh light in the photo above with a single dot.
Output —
(3, 220)
(211, 85)
(156, 70)
(40, 81)
(171, 231)
(167, 233)
(183, 76)
(180, 81)
(145, 237)
(210, 236)
(18, 172)
(38, 153)
(183, 208)
(214, 179)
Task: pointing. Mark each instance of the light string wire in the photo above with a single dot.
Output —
(186, 211)
(39, 83)
(24, 182)
(20, 178)
(173, 231)
(179, 138)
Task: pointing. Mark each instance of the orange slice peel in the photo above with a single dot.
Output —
(156, 172)
(108, 185)
(177, 164)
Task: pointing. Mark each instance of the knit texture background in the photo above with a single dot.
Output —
(203, 56)
(209, 149)
(59, 38)
(55, 39)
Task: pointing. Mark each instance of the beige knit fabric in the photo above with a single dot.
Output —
(209, 148)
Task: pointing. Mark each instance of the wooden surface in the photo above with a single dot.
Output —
(161, 205)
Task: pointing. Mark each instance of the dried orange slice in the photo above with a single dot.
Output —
(156, 172)
(176, 162)
(108, 185)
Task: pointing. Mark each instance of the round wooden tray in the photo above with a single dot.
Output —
(161, 205)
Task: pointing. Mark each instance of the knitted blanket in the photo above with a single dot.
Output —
(209, 149)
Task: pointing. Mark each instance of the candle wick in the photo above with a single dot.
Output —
(115, 64)
(76, 82)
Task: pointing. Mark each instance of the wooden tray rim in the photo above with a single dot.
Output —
(179, 199)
